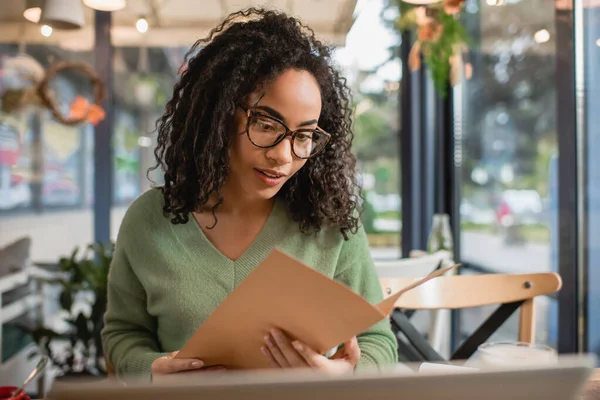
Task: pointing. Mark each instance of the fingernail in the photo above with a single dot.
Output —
(263, 350)
(196, 364)
(268, 339)
(297, 346)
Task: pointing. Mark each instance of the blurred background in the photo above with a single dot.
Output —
(507, 153)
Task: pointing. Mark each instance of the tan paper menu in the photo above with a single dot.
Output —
(284, 293)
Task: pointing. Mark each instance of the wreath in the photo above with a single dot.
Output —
(40, 94)
(80, 110)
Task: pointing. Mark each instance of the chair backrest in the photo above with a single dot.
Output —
(412, 267)
(464, 291)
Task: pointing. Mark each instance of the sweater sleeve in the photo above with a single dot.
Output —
(129, 333)
(378, 345)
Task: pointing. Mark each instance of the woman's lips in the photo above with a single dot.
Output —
(270, 178)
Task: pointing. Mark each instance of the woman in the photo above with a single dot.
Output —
(255, 149)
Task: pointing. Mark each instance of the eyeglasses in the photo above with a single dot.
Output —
(265, 131)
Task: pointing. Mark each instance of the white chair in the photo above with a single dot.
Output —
(19, 298)
(420, 264)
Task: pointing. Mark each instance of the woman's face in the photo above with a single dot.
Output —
(259, 173)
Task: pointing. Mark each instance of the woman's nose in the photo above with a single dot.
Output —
(282, 152)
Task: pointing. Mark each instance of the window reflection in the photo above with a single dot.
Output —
(372, 69)
(509, 144)
(591, 57)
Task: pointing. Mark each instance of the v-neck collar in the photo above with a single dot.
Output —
(196, 242)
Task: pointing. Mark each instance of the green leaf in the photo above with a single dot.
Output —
(407, 20)
(41, 335)
(405, 7)
(87, 271)
(64, 264)
(83, 329)
(34, 353)
(99, 307)
(51, 281)
(436, 53)
(66, 300)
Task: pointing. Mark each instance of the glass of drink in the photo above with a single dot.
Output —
(514, 354)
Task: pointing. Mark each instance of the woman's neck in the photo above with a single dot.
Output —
(236, 205)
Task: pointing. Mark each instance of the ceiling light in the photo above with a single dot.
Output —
(421, 2)
(63, 14)
(598, 42)
(106, 5)
(141, 25)
(541, 36)
(144, 141)
(46, 30)
(495, 2)
(33, 10)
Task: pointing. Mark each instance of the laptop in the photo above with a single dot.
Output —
(562, 381)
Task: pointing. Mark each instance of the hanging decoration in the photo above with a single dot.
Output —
(40, 94)
(441, 40)
(80, 110)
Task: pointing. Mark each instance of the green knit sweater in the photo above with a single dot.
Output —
(166, 279)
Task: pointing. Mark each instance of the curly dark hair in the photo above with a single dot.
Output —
(244, 53)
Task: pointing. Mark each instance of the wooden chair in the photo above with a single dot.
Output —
(511, 291)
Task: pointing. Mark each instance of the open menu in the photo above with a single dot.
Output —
(282, 292)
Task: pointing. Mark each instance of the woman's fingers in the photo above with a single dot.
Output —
(169, 364)
(283, 353)
(269, 356)
(284, 344)
(276, 352)
(350, 351)
(311, 357)
(184, 364)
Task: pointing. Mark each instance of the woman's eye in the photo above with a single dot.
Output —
(303, 137)
(265, 126)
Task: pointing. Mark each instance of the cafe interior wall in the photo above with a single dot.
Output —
(47, 193)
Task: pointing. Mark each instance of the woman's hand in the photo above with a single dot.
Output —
(283, 353)
(169, 364)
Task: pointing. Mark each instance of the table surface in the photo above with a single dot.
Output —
(592, 390)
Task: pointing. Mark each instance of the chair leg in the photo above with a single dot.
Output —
(439, 332)
(485, 330)
(407, 353)
(527, 322)
(402, 324)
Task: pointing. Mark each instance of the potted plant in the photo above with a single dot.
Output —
(77, 352)
(441, 39)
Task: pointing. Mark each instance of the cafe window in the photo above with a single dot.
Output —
(591, 122)
(507, 110)
(373, 71)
